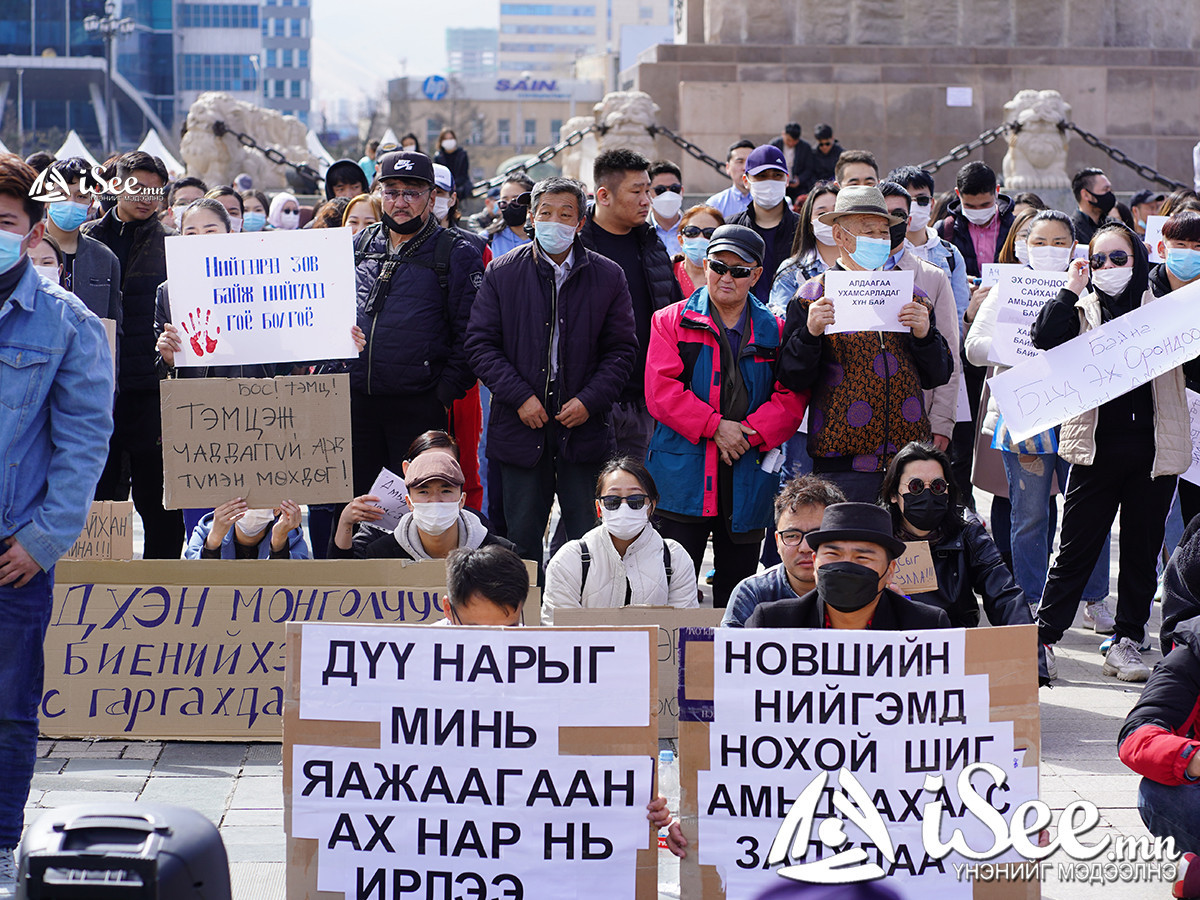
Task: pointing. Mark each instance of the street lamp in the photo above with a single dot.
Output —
(108, 27)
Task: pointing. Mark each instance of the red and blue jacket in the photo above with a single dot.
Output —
(683, 393)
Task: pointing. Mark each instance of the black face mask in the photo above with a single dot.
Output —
(897, 234)
(926, 510)
(514, 215)
(1104, 202)
(412, 226)
(847, 586)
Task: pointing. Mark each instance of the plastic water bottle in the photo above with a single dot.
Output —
(668, 786)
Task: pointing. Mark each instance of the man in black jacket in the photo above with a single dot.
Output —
(617, 228)
(855, 560)
(132, 231)
(800, 178)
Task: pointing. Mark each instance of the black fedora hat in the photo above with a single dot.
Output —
(857, 522)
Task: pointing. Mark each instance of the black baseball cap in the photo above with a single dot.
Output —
(745, 242)
(1146, 197)
(405, 164)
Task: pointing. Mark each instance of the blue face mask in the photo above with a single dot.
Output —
(694, 249)
(10, 249)
(554, 237)
(254, 221)
(69, 215)
(1183, 263)
(871, 253)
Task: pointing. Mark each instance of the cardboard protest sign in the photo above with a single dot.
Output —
(868, 301)
(483, 762)
(110, 332)
(108, 532)
(262, 297)
(194, 649)
(262, 439)
(669, 620)
(1100, 364)
(1154, 227)
(1022, 294)
(1193, 472)
(785, 732)
(914, 570)
(993, 273)
(391, 491)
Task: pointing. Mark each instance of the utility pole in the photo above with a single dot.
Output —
(109, 27)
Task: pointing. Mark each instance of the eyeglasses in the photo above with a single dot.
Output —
(633, 501)
(696, 231)
(824, 143)
(660, 189)
(937, 487)
(407, 195)
(793, 537)
(922, 200)
(505, 204)
(1117, 258)
(720, 269)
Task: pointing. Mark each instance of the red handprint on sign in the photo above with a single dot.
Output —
(196, 328)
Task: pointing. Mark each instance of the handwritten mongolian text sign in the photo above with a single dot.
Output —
(1193, 472)
(262, 439)
(867, 301)
(262, 297)
(1021, 297)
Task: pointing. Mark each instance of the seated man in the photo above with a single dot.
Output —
(855, 560)
(486, 586)
(798, 511)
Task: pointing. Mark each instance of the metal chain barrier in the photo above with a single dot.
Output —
(220, 129)
(687, 147)
(962, 151)
(480, 188)
(1119, 156)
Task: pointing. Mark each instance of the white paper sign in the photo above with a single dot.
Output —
(1154, 226)
(1101, 364)
(960, 96)
(1022, 294)
(994, 272)
(868, 301)
(262, 297)
(1193, 472)
(391, 491)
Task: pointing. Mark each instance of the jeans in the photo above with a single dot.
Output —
(859, 487)
(24, 617)
(1029, 483)
(1172, 811)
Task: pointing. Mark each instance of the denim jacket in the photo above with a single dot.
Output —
(56, 397)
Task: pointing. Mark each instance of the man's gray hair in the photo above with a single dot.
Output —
(559, 185)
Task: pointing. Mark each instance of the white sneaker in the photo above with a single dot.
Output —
(1097, 616)
(1051, 662)
(1124, 661)
(8, 873)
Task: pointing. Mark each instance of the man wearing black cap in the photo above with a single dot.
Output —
(855, 560)
(416, 282)
(1142, 205)
(801, 179)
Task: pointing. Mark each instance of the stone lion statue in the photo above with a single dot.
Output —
(577, 160)
(1037, 150)
(626, 115)
(218, 160)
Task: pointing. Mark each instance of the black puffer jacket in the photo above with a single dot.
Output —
(140, 249)
(660, 276)
(415, 334)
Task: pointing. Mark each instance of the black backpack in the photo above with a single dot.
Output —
(446, 241)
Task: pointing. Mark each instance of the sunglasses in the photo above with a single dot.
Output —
(633, 501)
(1117, 258)
(696, 231)
(922, 200)
(505, 204)
(937, 487)
(719, 268)
(824, 143)
(792, 537)
(660, 189)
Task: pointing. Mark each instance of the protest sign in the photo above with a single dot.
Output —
(867, 301)
(262, 439)
(1022, 294)
(1154, 226)
(1193, 472)
(786, 733)
(389, 488)
(262, 297)
(914, 570)
(477, 762)
(194, 649)
(993, 273)
(1100, 364)
(108, 532)
(110, 332)
(669, 620)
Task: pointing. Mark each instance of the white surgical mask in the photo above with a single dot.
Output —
(50, 273)
(235, 224)
(624, 523)
(449, 145)
(554, 237)
(289, 220)
(1112, 281)
(437, 517)
(980, 216)
(441, 208)
(255, 521)
(177, 214)
(823, 233)
(1021, 249)
(919, 217)
(667, 204)
(1049, 259)
(768, 194)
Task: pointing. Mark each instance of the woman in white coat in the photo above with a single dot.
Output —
(623, 561)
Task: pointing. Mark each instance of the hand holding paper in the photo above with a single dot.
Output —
(915, 315)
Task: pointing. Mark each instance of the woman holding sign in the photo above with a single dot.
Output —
(1126, 454)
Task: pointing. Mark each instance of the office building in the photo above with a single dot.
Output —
(287, 57)
(471, 52)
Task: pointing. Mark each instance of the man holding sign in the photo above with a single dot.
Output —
(866, 386)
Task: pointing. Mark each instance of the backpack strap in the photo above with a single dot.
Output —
(949, 247)
(667, 563)
(585, 562)
(443, 249)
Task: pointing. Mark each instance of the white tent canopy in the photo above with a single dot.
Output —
(74, 146)
(389, 137)
(4, 149)
(153, 144)
(317, 149)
